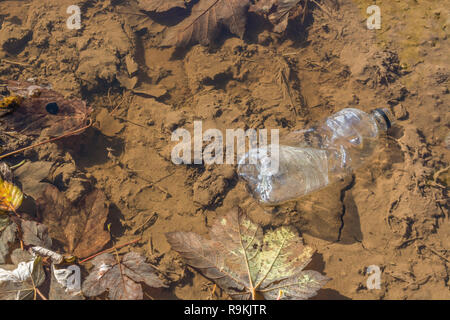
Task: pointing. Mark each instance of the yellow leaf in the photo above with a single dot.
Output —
(10, 197)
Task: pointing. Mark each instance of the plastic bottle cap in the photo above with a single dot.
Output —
(385, 117)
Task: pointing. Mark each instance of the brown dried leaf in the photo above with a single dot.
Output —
(79, 228)
(33, 117)
(5, 172)
(122, 280)
(160, 5)
(206, 20)
(247, 263)
(278, 11)
(35, 234)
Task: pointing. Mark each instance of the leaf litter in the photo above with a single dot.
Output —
(80, 228)
(250, 264)
(44, 111)
(121, 278)
(209, 17)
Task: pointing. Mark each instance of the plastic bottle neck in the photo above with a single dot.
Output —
(383, 117)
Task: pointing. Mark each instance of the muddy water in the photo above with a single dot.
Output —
(392, 213)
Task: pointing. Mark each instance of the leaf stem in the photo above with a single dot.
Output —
(109, 250)
(47, 141)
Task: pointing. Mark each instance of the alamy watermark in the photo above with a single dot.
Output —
(374, 20)
(230, 151)
(374, 279)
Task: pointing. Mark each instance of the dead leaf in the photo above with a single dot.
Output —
(21, 283)
(206, 20)
(247, 263)
(122, 280)
(160, 5)
(8, 231)
(31, 175)
(35, 234)
(10, 197)
(79, 228)
(44, 111)
(5, 172)
(277, 11)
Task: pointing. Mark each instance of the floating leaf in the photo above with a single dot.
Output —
(122, 280)
(21, 283)
(247, 263)
(10, 196)
(44, 111)
(206, 20)
(80, 227)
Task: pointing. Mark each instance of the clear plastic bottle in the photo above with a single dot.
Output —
(311, 159)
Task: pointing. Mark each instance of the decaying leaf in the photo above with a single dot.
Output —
(44, 111)
(206, 20)
(80, 227)
(121, 280)
(21, 283)
(278, 11)
(8, 231)
(35, 234)
(247, 263)
(31, 175)
(5, 172)
(160, 5)
(10, 196)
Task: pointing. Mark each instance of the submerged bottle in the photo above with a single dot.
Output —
(309, 160)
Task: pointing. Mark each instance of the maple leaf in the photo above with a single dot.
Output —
(206, 20)
(249, 264)
(79, 228)
(44, 111)
(160, 5)
(21, 283)
(122, 279)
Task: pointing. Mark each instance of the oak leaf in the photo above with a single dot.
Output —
(121, 279)
(206, 21)
(79, 228)
(248, 264)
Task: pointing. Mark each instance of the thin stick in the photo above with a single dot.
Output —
(16, 62)
(45, 142)
(109, 250)
(40, 294)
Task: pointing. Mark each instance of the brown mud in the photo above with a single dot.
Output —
(392, 213)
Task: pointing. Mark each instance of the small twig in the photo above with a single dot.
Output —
(45, 142)
(109, 250)
(16, 62)
(40, 294)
